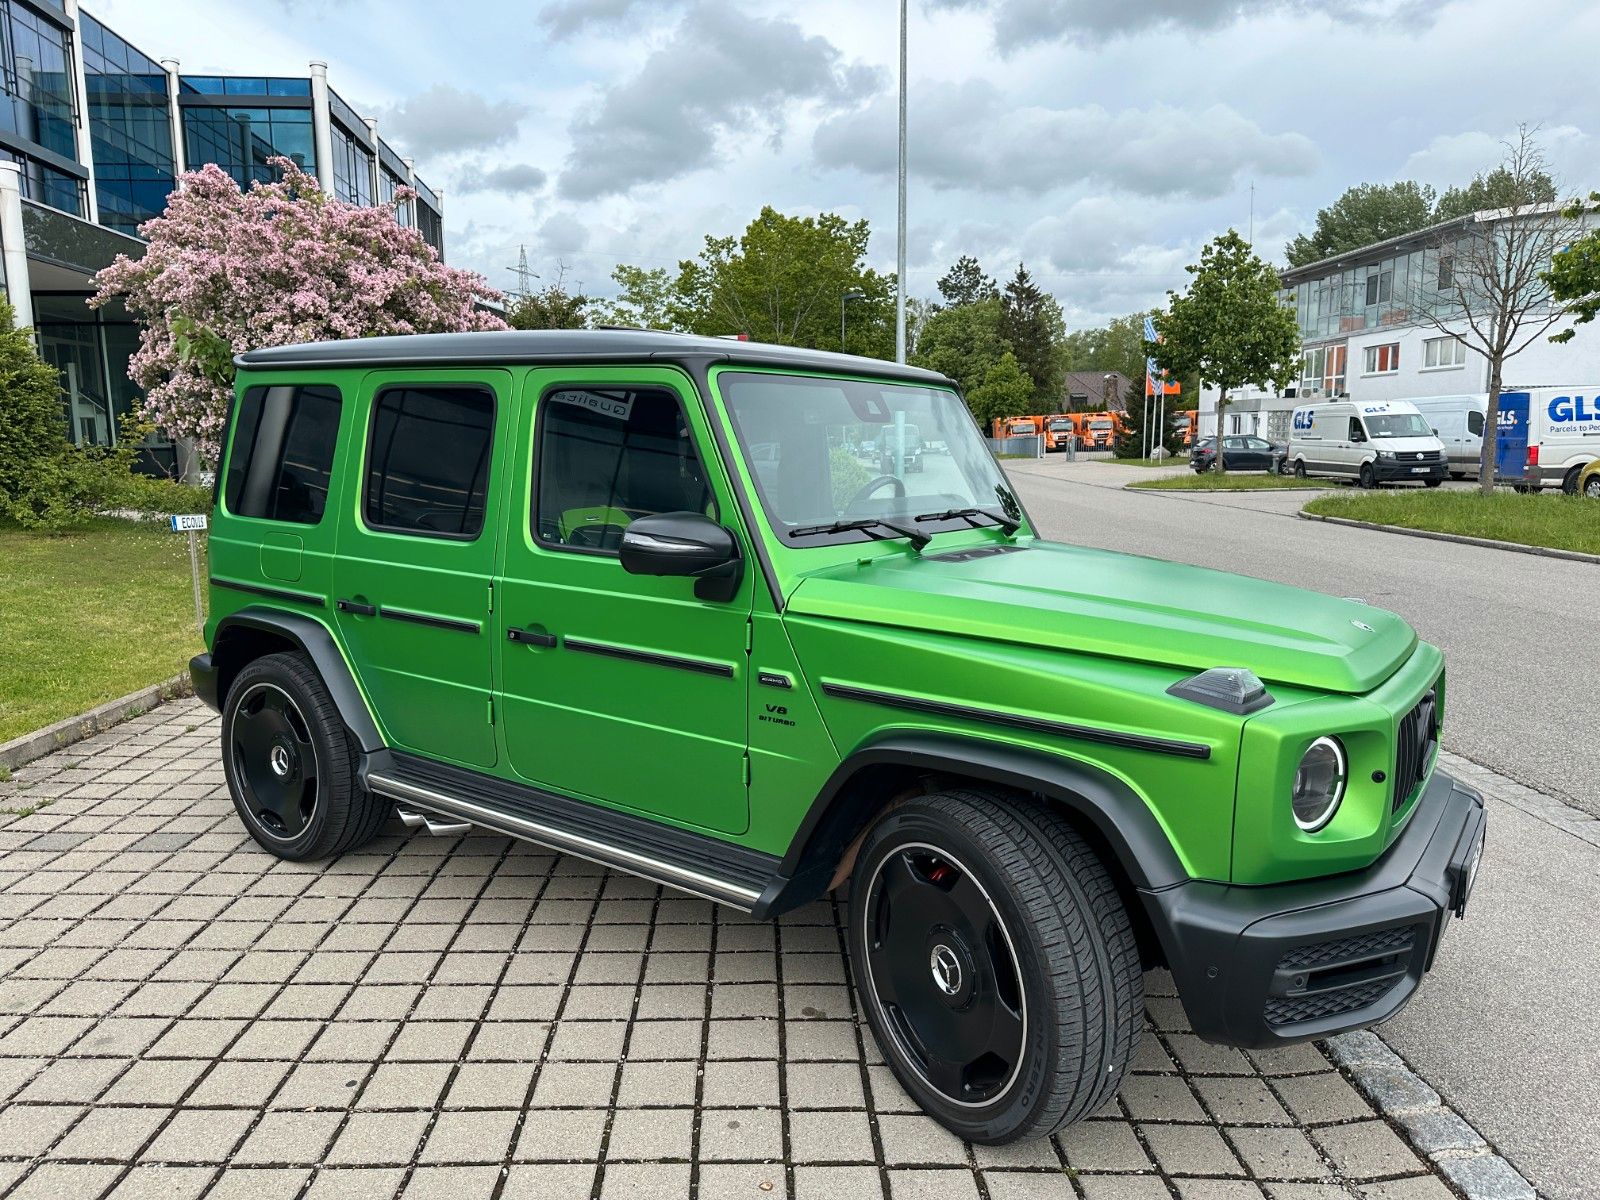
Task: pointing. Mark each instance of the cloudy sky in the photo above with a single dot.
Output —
(1102, 141)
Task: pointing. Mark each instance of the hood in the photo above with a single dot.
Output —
(1119, 606)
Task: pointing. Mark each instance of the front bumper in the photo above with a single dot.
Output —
(1396, 470)
(1274, 965)
(203, 674)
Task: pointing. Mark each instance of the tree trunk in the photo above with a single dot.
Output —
(1222, 407)
(1491, 429)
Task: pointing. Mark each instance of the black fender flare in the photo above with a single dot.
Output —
(232, 647)
(1119, 817)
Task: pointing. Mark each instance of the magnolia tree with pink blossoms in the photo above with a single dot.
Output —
(229, 270)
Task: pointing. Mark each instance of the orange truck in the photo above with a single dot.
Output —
(1060, 432)
(1009, 427)
(1097, 430)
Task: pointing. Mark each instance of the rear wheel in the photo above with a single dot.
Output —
(996, 964)
(1369, 476)
(1569, 485)
(289, 763)
(1591, 487)
(1299, 468)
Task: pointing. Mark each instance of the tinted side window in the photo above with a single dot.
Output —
(282, 457)
(428, 460)
(1474, 420)
(609, 456)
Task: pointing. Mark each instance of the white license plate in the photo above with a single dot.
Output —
(1420, 470)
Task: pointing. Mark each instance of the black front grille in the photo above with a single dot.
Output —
(1290, 1010)
(1415, 742)
(1328, 979)
(1367, 945)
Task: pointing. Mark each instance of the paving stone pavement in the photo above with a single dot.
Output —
(182, 1015)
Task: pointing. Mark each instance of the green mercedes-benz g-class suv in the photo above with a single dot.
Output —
(636, 597)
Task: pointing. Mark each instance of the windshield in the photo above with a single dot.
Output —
(1060, 426)
(1397, 425)
(878, 450)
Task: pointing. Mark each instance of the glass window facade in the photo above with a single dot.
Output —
(431, 225)
(240, 140)
(36, 79)
(91, 349)
(352, 167)
(244, 85)
(130, 129)
(47, 185)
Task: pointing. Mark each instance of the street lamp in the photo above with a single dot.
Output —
(845, 299)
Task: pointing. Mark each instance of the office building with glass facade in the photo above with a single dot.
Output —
(93, 136)
(1366, 332)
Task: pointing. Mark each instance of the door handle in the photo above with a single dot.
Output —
(530, 637)
(356, 607)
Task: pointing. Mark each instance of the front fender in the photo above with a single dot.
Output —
(1117, 814)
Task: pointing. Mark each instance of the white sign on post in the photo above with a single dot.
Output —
(191, 524)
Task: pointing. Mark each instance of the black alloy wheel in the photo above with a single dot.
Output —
(943, 967)
(290, 763)
(274, 760)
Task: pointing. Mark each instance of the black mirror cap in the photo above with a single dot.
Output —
(688, 545)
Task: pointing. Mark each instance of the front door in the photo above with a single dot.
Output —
(619, 688)
(416, 557)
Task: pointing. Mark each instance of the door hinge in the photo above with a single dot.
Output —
(491, 710)
(747, 768)
(749, 636)
(491, 598)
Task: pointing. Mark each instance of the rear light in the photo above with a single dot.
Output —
(1533, 456)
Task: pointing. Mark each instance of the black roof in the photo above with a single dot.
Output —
(567, 346)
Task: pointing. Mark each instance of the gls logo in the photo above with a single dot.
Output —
(1574, 408)
(1302, 418)
(776, 714)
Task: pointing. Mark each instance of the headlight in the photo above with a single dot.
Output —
(1319, 784)
(1385, 453)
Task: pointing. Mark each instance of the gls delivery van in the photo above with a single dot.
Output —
(1458, 422)
(1371, 442)
(1547, 435)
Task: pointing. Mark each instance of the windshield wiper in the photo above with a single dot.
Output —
(971, 515)
(869, 525)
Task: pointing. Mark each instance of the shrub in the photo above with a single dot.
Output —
(33, 440)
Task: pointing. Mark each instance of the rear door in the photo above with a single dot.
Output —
(623, 689)
(416, 556)
(1511, 441)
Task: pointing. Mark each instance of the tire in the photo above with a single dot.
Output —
(1569, 484)
(977, 917)
(290, 763)
(1591, 487)
(1369, 476)
(1432, 483)
(1300, 468)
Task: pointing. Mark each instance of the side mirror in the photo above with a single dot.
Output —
(684, 544)
(1435, 433)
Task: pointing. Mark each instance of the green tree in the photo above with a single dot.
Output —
(1230, 327)
(963, 343)
(1500, 188)
(1032, 325)
(552, 307)
(1117, 347)
(1367, 213)
(1006, 391)
(643, 299)
(965, 283)
(1142, 413)
(782, 281)
(32, 430)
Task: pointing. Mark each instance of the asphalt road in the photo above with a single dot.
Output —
(1524, 664)
(1505, 1026)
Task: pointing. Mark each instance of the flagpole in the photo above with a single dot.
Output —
(900, 240)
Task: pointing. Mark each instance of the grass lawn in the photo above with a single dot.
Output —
(1550, 519)
(88, 616)
(1233, 481)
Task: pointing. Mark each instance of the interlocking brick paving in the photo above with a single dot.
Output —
(183, 1015)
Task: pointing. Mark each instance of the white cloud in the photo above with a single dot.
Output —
(445, 120)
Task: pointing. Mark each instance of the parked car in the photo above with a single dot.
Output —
(1240, 453)
(602, 591)
(1589, 481)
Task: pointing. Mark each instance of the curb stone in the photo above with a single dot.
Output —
(1461, 538)
(1437, 1133)
(20, 751)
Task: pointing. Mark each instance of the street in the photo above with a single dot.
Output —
(1504, 1026)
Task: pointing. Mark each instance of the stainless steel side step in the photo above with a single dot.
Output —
(438, 828)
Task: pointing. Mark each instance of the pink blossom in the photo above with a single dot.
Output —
(277, 264)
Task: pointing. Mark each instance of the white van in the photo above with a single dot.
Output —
(1548, 435)
(1371, 442)
(1458, 422)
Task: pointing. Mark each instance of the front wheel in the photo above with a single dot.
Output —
(1369, 476)
(1591, 487)
(996, 964)
(289, 763)
(1432, 483)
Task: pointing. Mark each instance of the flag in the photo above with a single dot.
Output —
(1155, 381)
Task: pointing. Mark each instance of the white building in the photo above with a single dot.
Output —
(1364, 338)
